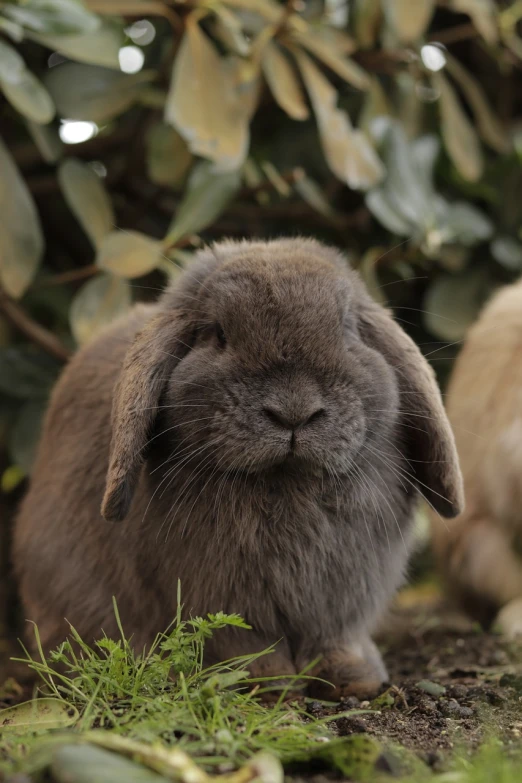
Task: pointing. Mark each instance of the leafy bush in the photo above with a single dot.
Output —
(387, 127)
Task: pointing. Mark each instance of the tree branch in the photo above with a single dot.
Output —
(71, 276)
(36, 333)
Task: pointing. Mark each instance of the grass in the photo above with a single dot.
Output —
(167, 696)
(106, 713)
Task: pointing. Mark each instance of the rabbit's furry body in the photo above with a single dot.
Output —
(264, 462)
(477, 551)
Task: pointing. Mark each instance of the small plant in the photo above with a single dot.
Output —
(164, 699)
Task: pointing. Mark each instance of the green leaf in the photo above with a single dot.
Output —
(283, 82)
(407, 203)
(210, 103)
(21, 239)
(98, 303)
(22, 89)
(87, 198)
(92, 93)
(52, 16)
(381, 204)
(30, 98)
(467, 224)
(311, 192)
(348, 152)
(168, 157)
(433, 688)
(12, 65)
(453, 303)
(12, 29)
(47, 140)
(458, 133)
(38, 715)
(96, 47)
(408, 188)
(508, 252)
(408, 19)
(128, 254)
(24, 436)
(26, 374)
(88, 764)
(208, 194)
(488, 124)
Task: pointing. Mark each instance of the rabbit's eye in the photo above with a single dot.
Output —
(220, 334)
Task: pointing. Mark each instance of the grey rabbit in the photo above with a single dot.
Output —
(261, 434)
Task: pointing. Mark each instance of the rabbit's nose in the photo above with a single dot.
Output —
(292, 420)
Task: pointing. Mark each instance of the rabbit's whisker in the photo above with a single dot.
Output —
(385, 499)
(185, 489)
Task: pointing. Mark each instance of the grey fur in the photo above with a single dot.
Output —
(309, 549)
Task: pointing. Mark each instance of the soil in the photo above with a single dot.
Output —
(451, 686)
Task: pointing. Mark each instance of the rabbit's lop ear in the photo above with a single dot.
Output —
(428, 438)
(161, 344)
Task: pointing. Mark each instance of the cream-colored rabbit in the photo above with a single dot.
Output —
(479, 551)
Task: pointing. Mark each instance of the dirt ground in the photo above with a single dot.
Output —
(452, 686)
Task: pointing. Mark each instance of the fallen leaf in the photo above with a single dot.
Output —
(37, 715)
(88, 764)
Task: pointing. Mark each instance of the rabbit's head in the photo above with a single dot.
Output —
(272, 356)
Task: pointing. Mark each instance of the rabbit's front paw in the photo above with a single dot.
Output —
(345, 672)
(275, 674)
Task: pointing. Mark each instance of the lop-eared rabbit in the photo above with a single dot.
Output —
(480, 552)
(261, 434)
